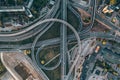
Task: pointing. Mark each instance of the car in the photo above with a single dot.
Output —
(97, 49)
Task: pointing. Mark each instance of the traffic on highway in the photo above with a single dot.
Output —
(60, 39)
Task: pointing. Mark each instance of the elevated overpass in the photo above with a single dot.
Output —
(32, 30)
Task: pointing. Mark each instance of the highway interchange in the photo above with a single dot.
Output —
(38, 28)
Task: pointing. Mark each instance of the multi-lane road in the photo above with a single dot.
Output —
(98, 17)
(38, 27)
(33, 29)
(57, 40)
(63, 35)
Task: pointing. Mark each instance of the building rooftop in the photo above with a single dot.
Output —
(20, 66)
(110, 56)
(12, 9)
(96, 77)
